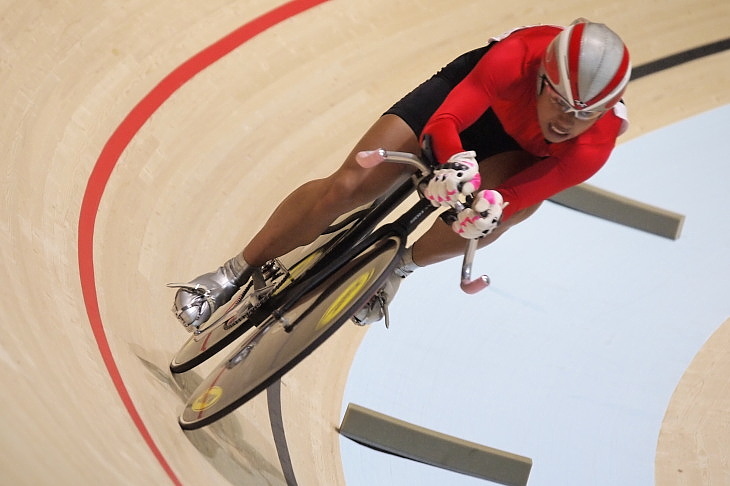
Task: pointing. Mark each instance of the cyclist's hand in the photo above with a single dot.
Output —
(459, 175)
(482, 217)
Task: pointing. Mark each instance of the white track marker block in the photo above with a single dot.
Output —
(628, 212)
(403, 439)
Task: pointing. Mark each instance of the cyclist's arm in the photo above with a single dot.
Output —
(549, 176)
(472, 97)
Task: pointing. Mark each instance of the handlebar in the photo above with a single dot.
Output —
(372, 158)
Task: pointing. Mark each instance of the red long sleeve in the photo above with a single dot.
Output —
(505, 79)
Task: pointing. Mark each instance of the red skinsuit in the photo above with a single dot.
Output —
(506, 80)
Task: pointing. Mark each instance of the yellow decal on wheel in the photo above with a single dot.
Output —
(348, 294)
(207, 399)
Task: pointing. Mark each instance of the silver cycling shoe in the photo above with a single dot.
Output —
(198, 299)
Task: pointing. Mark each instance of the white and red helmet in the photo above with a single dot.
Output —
(588, 65)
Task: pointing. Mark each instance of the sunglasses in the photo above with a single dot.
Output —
(565, 107)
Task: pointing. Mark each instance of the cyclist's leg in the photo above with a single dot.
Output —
(300, 218)
(307, 212)
(440, 242)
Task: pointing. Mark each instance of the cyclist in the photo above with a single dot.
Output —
(535, 111)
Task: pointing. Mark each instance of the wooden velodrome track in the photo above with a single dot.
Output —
(136, 157)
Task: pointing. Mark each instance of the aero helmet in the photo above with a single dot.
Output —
(588, 65)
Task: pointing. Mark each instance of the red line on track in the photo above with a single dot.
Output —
(108, 159)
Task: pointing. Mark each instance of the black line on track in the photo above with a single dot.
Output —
(273, 400)
(679, 58)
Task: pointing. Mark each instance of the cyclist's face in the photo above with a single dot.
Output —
(557, 122)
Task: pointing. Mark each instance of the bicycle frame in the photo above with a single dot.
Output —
(311, 296)
(362, 235)
(375, 157)
(283, 282)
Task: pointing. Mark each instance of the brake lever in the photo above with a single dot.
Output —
(467, 284)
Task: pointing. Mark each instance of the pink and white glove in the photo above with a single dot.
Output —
(459, 175)
(482, 217)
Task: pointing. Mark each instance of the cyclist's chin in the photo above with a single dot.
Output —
(557, 130)
(556, 133)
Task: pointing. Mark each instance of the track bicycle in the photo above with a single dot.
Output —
(294, 303)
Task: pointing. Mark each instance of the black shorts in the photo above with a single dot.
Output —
(486, 136)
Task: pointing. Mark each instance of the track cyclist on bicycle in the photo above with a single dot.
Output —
(534, 112)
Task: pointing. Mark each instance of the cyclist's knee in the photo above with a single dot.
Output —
(523, 214)
(340, 193)
(350, 188)
(500, 167)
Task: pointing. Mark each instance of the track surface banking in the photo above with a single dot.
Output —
(108, 159)
(125, 133)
